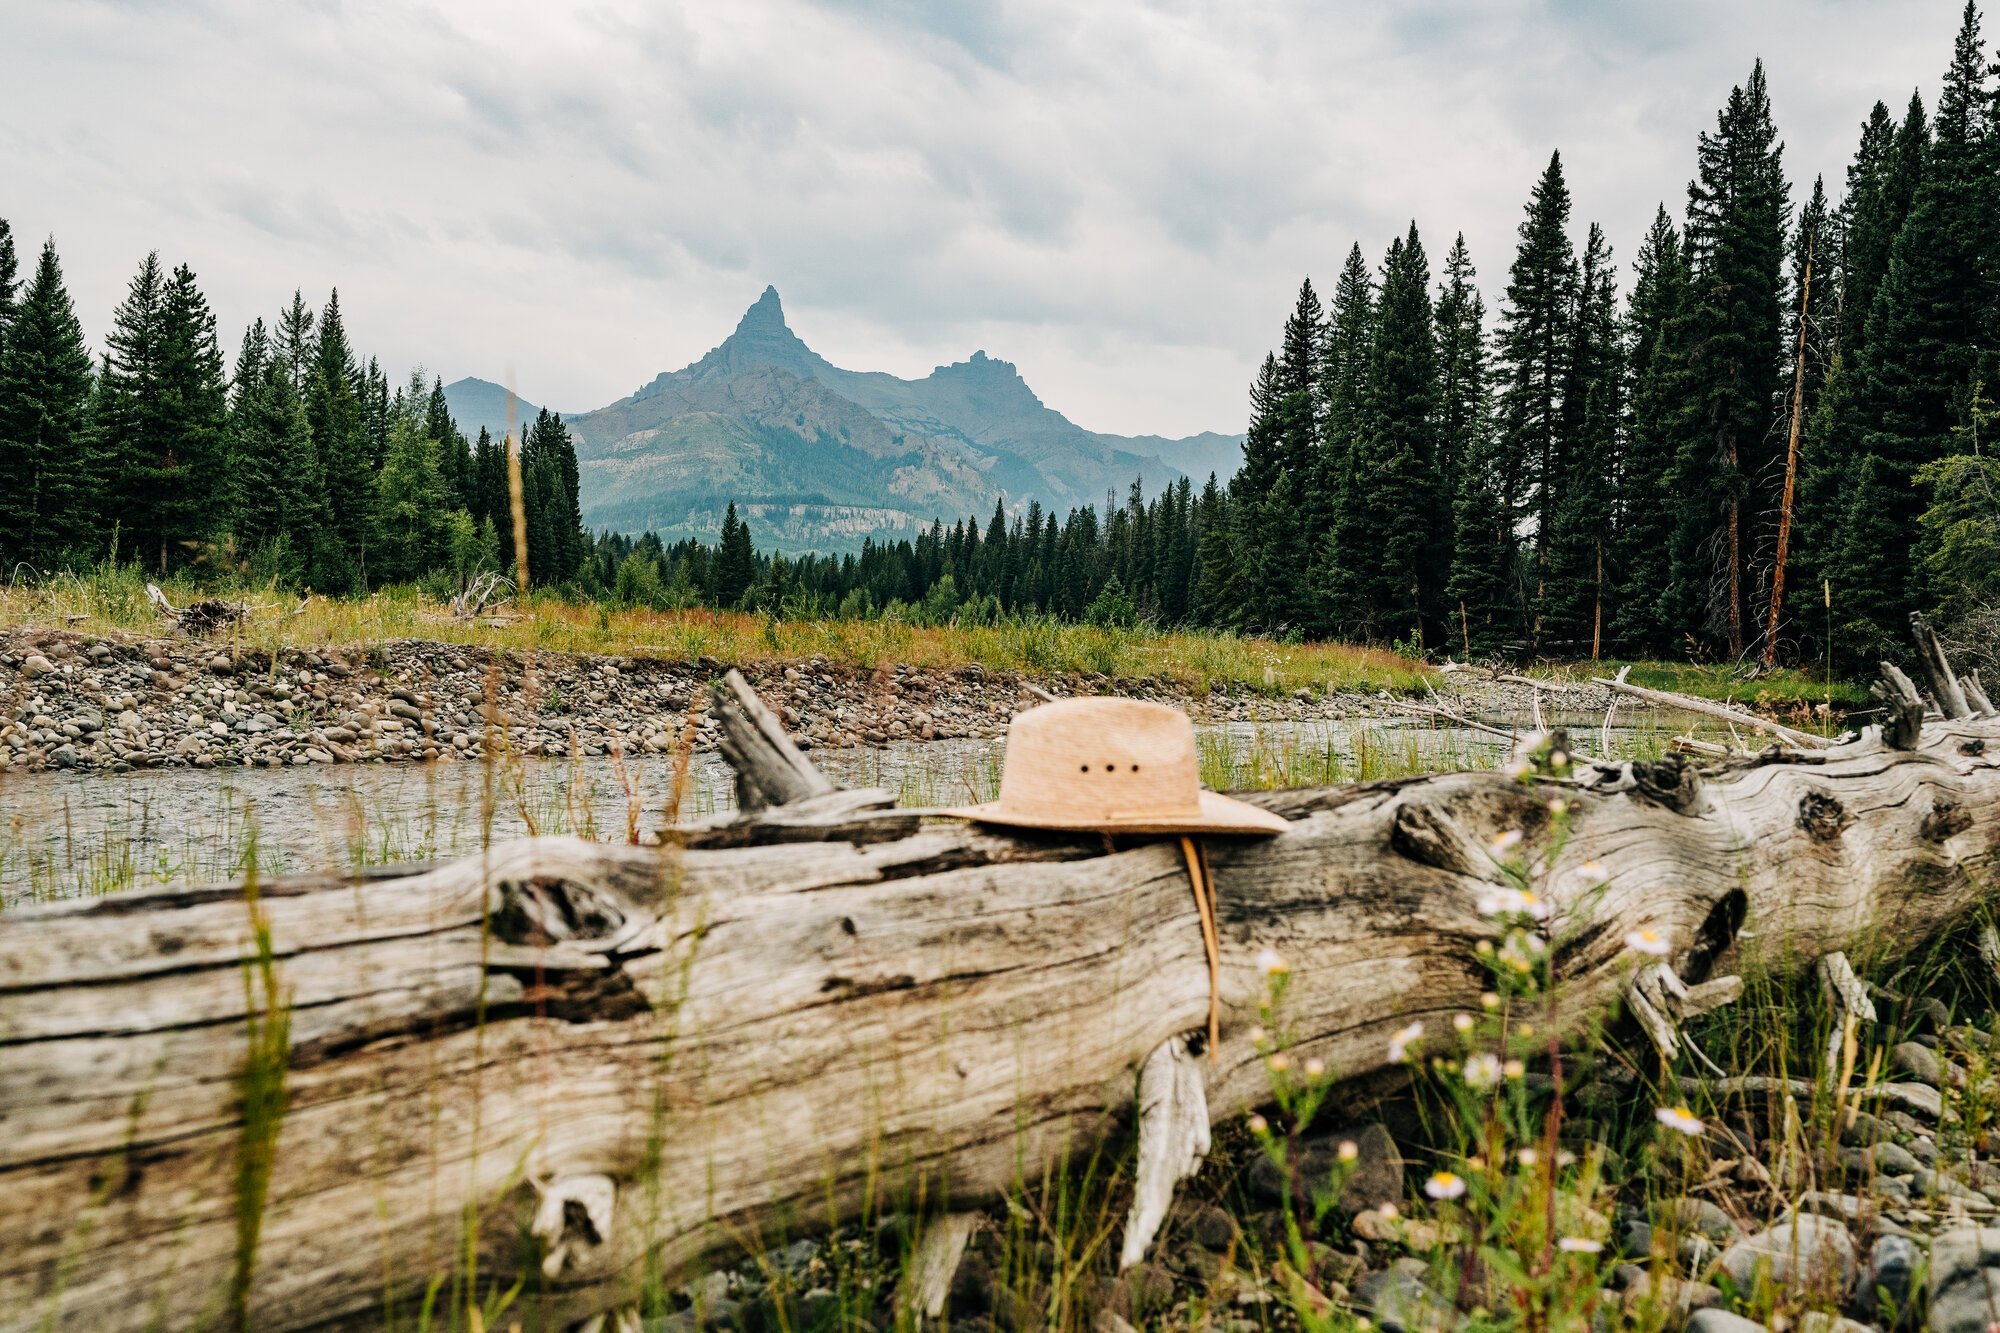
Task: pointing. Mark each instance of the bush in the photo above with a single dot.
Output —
(1113, 609)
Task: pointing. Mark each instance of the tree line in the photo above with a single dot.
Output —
(303, 465)
(1772, 446)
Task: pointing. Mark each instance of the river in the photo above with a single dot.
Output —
(69, 834)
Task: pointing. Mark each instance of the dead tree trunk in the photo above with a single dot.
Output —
(605, 1060)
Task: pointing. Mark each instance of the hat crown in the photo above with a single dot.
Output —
(1101, 760)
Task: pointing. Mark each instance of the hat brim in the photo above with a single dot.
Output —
(1219, 814)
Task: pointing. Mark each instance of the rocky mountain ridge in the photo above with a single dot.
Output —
(763, 420)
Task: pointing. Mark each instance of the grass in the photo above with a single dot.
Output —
(113, 601)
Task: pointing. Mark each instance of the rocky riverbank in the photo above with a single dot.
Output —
(82, 702)
(1880, 1221)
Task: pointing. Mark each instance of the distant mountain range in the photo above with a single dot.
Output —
(819, 457)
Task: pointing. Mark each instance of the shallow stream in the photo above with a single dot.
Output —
(69, 834)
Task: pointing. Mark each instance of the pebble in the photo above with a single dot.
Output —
(1807, 1249)
(1965, 1280)
(1918, 1061)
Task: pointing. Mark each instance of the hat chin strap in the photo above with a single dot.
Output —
(1204, 903)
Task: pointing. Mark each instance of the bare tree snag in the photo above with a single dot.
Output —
(1975, 694)
(603, 1057)
(1173, 1140)
(1791, 489)
(770, 770)
(1903, 724)
(1944, 683)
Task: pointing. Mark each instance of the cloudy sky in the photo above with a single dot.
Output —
(1118, 196)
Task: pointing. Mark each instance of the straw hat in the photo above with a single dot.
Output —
(1115, 765)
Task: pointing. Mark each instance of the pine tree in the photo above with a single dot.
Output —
(10, 273)
(454, 453)
(1812, 330)
(1737, 214)
(1577, 595)
(1298, 378)
(47, 435)
(735, 562)
(1286, 419)
(1461, 351)
(1535, 345)
(1392, 585)
(260, 486)
(335, 411)
(1263, 456)
(1217, 574)
(162, 411)
(192, 468)
(129, 413)
(1277, 561)
(556, 541)
(1881, 186)
(1930, 318)
(1655, 361)
(412, 503)
(1335, 500)
(292, 341)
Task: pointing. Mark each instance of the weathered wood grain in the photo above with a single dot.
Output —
(740, 1038)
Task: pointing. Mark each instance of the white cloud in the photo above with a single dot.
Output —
(1120, 197)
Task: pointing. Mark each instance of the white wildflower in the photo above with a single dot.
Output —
(1348, 1150)
(1482, 1070)
(1400, 1043)
(1444, 1185)
(1507, 842)
(1270, 962)
(1579, 1245)
(1590, 874)
(1679, 1119)
(1462, 1022)
(1649, 942)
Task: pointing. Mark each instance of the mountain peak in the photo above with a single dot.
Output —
(766, 313)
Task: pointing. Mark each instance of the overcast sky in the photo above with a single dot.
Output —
(1119, 197)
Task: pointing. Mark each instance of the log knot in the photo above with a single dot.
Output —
(1945, 819)
(549, 909)
(1667, 781)
(1822, 817)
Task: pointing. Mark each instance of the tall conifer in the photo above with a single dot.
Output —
(47, 435)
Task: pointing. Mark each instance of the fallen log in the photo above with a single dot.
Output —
(601, 1065)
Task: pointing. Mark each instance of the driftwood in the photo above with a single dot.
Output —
(1805, 740)
(601, 1061)
(486, 590)
(198, 618)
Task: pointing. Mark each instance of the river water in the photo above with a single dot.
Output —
(68, 834)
